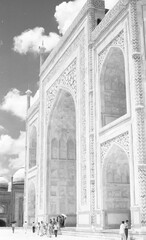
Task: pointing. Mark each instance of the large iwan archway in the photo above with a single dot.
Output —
(61, 159)
(116, 187)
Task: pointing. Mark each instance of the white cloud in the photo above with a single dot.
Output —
(3, 170)
(2, 128)
(10, 147)
(16, 163)
(15, 103)
(31, 39)
(66, 13)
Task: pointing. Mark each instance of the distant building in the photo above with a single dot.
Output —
(5, 203)
(17, 194)
(11, 199)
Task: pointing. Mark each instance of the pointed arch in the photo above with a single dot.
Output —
(113, 87)
(71, 149)
(116, 186)
(61, 173)
(31, 202)
(54, 148)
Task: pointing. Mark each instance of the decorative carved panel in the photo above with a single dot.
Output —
(121, 140)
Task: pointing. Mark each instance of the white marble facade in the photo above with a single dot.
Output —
(86, 133)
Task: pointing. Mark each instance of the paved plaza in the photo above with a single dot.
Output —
(6, 234)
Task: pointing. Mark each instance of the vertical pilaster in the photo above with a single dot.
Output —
(96, 10)
(139, 128)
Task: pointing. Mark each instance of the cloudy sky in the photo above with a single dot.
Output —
(24, 25)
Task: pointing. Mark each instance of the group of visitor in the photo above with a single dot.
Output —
(53, 227)
(41, 228)
(124, 230)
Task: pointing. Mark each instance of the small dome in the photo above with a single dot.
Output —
(3, 183)
(18, 177)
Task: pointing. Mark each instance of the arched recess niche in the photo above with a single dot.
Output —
(61, 158)
(31, 203)
(116, 187)
(32, 147)
(113, 87)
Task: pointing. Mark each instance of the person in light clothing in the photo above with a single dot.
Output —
(55, 229)
(122, 231)
(25, 226)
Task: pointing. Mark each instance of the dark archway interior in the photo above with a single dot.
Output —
(2, 223)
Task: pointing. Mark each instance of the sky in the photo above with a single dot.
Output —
(24, 26)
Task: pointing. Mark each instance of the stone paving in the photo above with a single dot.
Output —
(6, 234)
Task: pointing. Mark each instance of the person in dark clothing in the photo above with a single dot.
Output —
(126, 229)
(55, 229)
(33, 227)
(13, 227)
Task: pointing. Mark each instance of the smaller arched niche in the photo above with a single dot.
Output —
(116, 187)
(113, 87)
(71, 151)
(2, 209)
(54, 148)
(31, 202)
(62, 148)
(32, 147)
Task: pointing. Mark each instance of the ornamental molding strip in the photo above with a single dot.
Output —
(138, 82)
(99, 4)
(142, 184)
(118, 41)
(121, 140)
(134, 26)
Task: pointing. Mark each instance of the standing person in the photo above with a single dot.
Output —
(42, 229)
(38, 228)
(50, 229)
(63, 219)
(126, 229)
(13, 227)
(25, 227)
(33, 227)
(122, 231)
(55, 229)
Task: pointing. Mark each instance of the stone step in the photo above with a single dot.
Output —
(91, 234)
(101, 235)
